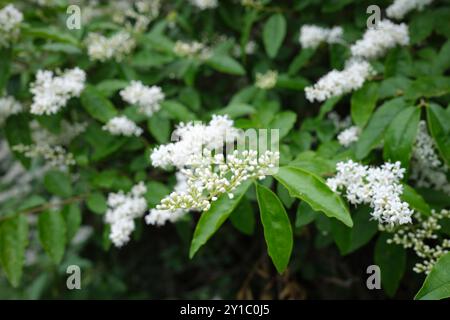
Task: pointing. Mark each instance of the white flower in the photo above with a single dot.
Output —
(210, 176)
(122, 210)
(160, 217)
(122, 126)
(400, 8)
(266, 80)
(54, 156)
(10, 19)
(191, 138)
(427, 169)
(348, 136)
(378, 187)
(423, 238)
(116, 47)
(205, 4)
(8, 107)
(377, 41)
(193, 49)
(51, 93)
(312, 36)
(147, 99)
(336, 82)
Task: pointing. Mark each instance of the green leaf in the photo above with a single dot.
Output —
(351, 239)
(363, 103)
(108, 87)
(305, 215)
(415, 200)
(312, 189)
(428, 87)
(225, 64)
(236, 110)
(437, 283)
(50, 33)
(58, 183)
(277, 227)
(439, 126)
(96, 202)
(284, 121)
(273, 34)
(391, 258)
(52, 234)
(401, 135)
(372, 135)
(99, 107)
(177, 111)
(72, 218)
(242, 217)
(289, 82)
(13, 241)
(5, 65)
(211, 220)
(159, 128)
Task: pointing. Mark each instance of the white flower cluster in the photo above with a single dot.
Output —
(348, 136)
(312, 36)
(379, 187)
(205, 4)
(68, 132)
(266, 80)
(54, 156)
(135, 15)
(336, 82)
(51, 93)
(191, 138)
(10, 19)
(160, 217)
(8, 107)
(208, 177)
(147, 99)
(377, 41)
(117, 47)
(193, 49)
(419, 237)
(426, 168)
(121, 125)
(400, 8)
(122, 210)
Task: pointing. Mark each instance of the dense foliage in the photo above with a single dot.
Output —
(104, 105)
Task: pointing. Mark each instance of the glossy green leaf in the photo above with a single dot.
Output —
(72, 218)
(439, 126)
(58, 183)
(96, 202)
(274, 32)
(211, 220)
(243, 218)
(5, 66)
(437, 283)
(97, 105)
(363, 103)
(225, 64)
(372, 135)
(312, 189)
(13, 241)
(400, 136)
(277, 227)
(415, 200)
(52, 234)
